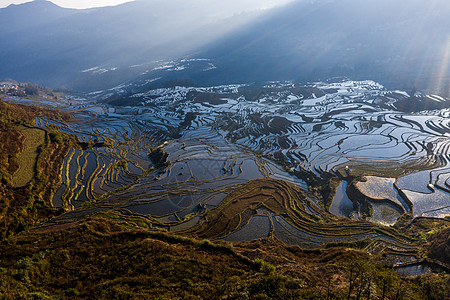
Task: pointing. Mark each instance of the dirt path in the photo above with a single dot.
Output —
(56, 227)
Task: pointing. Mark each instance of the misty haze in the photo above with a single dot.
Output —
(205, 149)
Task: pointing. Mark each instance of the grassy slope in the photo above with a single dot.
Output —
(26, 185)
(34, 138)
(100, 259)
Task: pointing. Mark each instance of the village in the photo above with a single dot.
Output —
(12, 88)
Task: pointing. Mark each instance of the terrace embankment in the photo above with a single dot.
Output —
(287, 202)
(29, 160)
(238, 207)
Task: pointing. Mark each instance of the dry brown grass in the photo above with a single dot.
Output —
(99, 259)
(28, 164)
(27, 158)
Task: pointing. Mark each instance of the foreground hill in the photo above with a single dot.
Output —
(99, 258)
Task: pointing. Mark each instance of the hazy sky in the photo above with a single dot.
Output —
(96, 3)
(70, 3)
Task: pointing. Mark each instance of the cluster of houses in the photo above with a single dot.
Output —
(12, 89)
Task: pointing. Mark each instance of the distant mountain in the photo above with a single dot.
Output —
(16, 18)
(50, 45)
(400, 43)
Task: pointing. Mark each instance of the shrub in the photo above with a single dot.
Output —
(270, 285)
(38, 296)
(159, 158)
(72, 292)
(264, 267)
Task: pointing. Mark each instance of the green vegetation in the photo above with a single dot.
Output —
(98, 259)
(439, 245)
(34, 138)
(159, 158)
(29, 162)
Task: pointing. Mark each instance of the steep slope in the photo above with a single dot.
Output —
(398, 43)
(16, 18)
(29, 158)
(56, 45)
(101, 259)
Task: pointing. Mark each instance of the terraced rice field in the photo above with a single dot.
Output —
(269, 207)
(261, 136)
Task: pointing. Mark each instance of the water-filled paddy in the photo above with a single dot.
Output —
(58, 197)
(417, 182)
(385, 213)
(213, 148)
(415, 269)
(427, 203)
(258, 227)
(342, 206)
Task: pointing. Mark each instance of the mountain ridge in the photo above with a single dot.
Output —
(402, 44)
(54, 52)
(38, 13)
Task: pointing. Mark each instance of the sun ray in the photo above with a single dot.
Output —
(443, 74)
